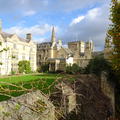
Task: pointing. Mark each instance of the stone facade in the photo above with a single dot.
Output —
(82, 52)
(53, 52)
(43, 53)
(18, 49)
(31, 106)
(69, 98)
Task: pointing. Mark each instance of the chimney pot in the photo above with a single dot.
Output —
(28, 36)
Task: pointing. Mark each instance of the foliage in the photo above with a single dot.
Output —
(68, 69)
(114, 33)
(97, 65)
(73, 69)
(24, 66)
(45, 68)
(13, 72)
(4, 49)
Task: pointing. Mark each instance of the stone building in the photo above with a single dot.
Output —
(43, 53)
(82, 52)
(58, 57)
(18, 49)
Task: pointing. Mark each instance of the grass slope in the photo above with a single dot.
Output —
(14, 85)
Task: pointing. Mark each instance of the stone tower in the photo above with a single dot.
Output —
(89, 49)
(53, 48)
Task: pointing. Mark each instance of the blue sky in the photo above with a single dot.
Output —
(73, 19)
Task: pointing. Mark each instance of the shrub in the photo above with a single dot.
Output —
(44, 68)
(97, 65)
(13, 72)
(73, 69)
(68, 69)
(24, 66)
(39, 69)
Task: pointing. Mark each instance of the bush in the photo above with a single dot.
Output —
(68, 69)
(97, 65)
(39, 69)
(73, 69)
(24, 66)
(44, 68)
(13, 72)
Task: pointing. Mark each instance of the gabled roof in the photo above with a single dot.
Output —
(7, 35)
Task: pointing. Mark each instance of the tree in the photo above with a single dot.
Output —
(24, 66)
(73, 69)
(97, 65)
(114, 32)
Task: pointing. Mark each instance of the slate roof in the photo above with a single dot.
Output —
(5, 35)
(8, 35)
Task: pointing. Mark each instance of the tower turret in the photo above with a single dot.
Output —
(53, 48)
(89, 49)
(53, 37)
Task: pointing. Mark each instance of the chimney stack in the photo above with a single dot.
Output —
(28, 36)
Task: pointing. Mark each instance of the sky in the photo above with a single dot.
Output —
(73, 19)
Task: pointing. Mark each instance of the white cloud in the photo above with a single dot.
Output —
(77, 20)
(93, 13)
(37, 30)
(30, 13)
(94, 25)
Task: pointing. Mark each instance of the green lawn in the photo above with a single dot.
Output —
(14, 84)
(25, 78)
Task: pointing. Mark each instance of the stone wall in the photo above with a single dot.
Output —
(69, 98)
(31, 106)
(108, 89)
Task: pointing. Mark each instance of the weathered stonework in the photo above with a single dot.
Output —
(18, 49)
(78, 52)
(31, 106)
(69, 96)
(108, 89)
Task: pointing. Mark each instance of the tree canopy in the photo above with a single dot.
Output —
(114, 32)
